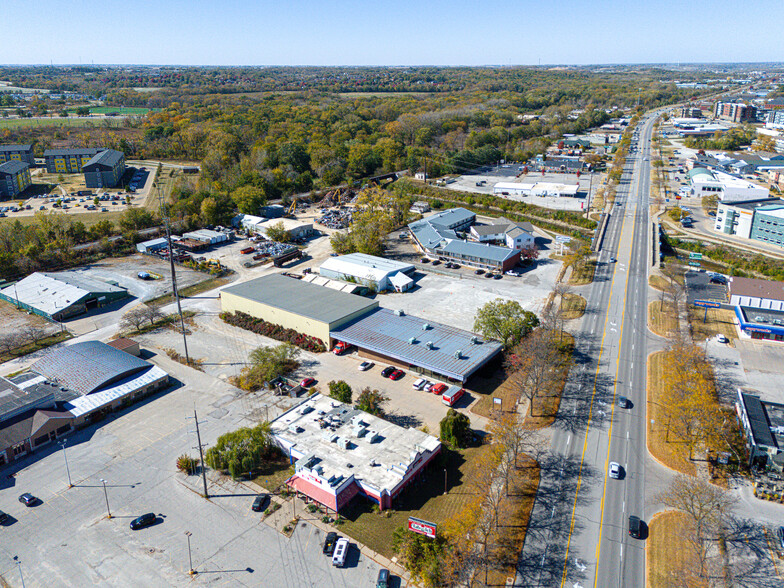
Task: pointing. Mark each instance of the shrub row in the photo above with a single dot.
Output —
(273, 331)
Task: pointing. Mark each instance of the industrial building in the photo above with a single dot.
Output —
(340, 452)
(61, 295)
(14, 178)
(414, 343)
(725, 187)
(540, 189)
(377, 273)
(68, 161)
(70, 387)
(763, 428)
(756, 293)
(293, 304)
(152, 245)
(436, 236)
(105, 169)
(296, 229)
(23, 153)
(208, 236)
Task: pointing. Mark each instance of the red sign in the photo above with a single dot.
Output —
(422, 527)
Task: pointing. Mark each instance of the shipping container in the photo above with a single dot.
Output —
(247, 250)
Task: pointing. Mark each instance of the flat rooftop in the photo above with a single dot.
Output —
(298, 297)
(406, 338)
(378, 458)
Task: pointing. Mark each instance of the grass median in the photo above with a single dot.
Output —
(659, 444)
(572, 306)
(667, 554)
(662, 318)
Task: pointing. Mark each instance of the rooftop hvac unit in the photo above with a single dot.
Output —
(412, 340)
(429, 345)
(474, 340)
(458, 354)
(426, 326)
(372, 436)
(294, 429)
(306, 409)
(343, 443)
(319, 470)
(400, 312)
(373, 463)
(360, 431)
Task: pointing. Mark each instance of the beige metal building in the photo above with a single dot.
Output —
(295, 304)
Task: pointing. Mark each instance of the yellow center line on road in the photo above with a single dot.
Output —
(612, 411)
(590, 415)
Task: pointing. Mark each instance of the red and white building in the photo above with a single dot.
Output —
(340, 451)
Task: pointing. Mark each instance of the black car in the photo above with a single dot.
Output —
(143, 521)
(497, 276)
(259, 502)
(424, 260)
(479, 272)
(623, 402)
(329, 542)
(635, 527)
(387, 371)
(488, 275)
(436, 262)
(448, 264)
(455, 266)
(27, 499)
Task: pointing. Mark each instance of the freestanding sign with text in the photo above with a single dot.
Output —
(422, 527)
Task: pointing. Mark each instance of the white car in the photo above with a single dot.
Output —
(419, 384)
(721, 338)
(365, 366)
(615, 470)
(428, 386)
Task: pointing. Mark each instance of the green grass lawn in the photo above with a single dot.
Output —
(119, 109)
(16, 123)
(424, 499)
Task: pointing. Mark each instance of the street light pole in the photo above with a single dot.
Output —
(191, 571)
(67, 471)
(106, 495)
(445, 485)
(19, 565)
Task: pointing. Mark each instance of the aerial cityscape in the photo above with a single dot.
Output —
(370, 295)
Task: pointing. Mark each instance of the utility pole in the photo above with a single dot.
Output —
(165, 216)
(590, 186)
(201, 453)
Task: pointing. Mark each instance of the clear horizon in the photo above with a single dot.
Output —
(393, 34)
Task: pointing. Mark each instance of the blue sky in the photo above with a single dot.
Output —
(382, 32)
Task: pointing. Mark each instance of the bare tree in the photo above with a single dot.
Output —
(134, 318)
(152, 312)
(534, 364)
(33, 333)
(9, 342)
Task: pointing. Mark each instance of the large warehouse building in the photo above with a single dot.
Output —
(70, 387)
(423, 346)
(293, 304)
(61, 295)
(341, 452)
(377, 273)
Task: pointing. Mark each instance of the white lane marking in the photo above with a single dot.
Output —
(621, 551)
(623, 509)
(569, 438)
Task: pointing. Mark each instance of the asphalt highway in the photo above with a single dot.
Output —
(578, 535)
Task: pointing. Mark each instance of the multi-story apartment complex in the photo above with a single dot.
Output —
(68, 161)
(735, 112)
(14, 178)
(17, 153)
(105, 169)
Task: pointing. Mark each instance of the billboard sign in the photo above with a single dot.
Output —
(422, 527)
(695, 255)
(707, 304)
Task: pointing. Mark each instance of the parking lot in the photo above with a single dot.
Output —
(700, 287)
(67, 539)
(489, 177)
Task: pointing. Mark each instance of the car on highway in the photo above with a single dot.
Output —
(28, 499)
(143, 521)
(259, 502)
(329, 543)
(365, 366)
(396, 375)
(307, 383)
(635, 527)
(613, 260)
(615, 470)
(387, 371)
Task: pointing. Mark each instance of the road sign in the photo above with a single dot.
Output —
(707, 304)
(694, 263)
(695, 255)
(422, 527)
(563, 239)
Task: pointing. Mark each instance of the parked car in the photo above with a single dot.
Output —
(497, 276)
(419, 384)
(424, 260)
(397, 374)
(365, 366)
(329, 543)
(341, 550)
(439, 388)
(721, 338)
(307, 383)
(387, 371)
(28, 499)
(145, 520)
(259, 502)
(489, 275)
(479, 271)
(455, 266)
(436, 262)
(615, 470)
(383, 578)
(429, 386)
(718, 279)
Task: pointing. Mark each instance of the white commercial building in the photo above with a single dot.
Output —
(206, 235)
(514, 235)
(541, 189)
(737, 218)
(725, 187)
(259, 225)
(368, 270)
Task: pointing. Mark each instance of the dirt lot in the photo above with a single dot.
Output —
(15, 321)
(124, 270)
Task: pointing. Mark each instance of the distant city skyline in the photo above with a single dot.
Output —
(351, 32)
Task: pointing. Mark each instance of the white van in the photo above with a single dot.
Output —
(341, 550)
